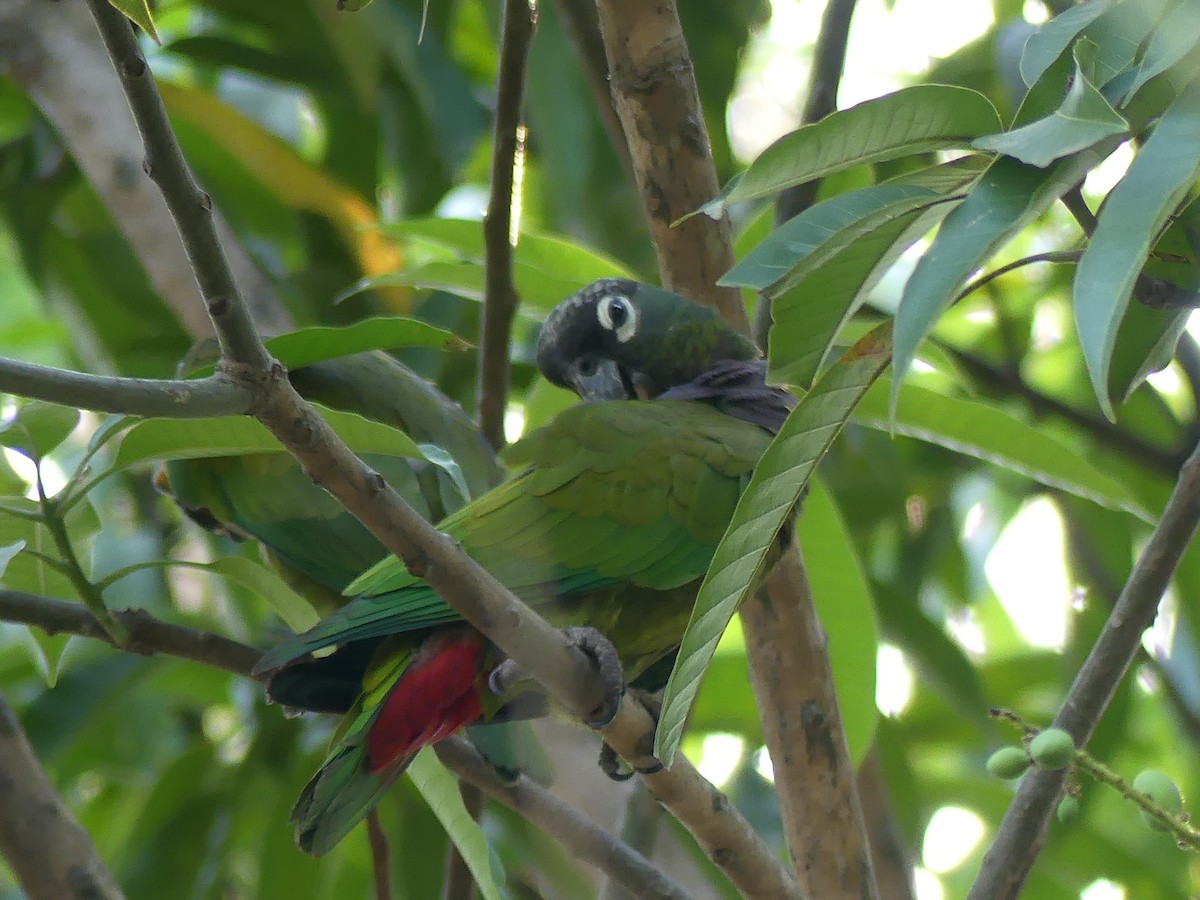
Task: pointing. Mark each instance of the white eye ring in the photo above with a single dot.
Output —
(616, 314)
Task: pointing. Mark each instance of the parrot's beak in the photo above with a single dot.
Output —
(597, 379)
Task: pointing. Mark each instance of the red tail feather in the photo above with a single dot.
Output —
(438, 694)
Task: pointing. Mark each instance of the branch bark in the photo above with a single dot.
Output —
(212, 396)
(655, 95)
(52, 51)
(148, 636)
(580, 835)
(1023, 829)
(539, 649)
(52, 857)
(500, 293)
(654, 92)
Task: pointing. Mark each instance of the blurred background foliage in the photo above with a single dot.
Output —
(307, 126)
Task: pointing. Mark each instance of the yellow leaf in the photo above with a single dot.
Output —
(139, 12)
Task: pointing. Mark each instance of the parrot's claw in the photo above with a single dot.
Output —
(618, 770)
(600, 650)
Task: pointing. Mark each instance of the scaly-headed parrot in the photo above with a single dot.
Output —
(316, 545)
(611, 524)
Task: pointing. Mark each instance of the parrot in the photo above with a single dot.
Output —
(316, 545)
(610, 523)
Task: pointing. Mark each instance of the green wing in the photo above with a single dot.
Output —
(616, 495)
(269, 498)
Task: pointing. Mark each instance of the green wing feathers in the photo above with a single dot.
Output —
(620, 493)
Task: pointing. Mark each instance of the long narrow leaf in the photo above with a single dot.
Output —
(766, 505)
(912, 120)
(440, 790)
(1158, 179)
(1006, 198)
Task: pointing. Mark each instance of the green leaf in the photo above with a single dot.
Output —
(305, 346)
(545, 269)
(1178, 33)
(1083, 119)
(843, 601)
(768, 501)
(37, 428)
(295, 610)
(1008, 196)
(440, 790)
(911, 120)
(7, 553)
(139, 12)
(1048, 43)
(241, 435)
(791, 250)
(1157, 180)
(978, 429)
(808, 318)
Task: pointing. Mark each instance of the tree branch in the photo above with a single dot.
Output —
(802, 727)
(190, 207)
(500, 293)
(1023, 829)
(639, 832)
(537, 648)
(148, 636)
(212, 396)
(582, 837)
(1165, 461)
(655, 95)
(51, 856)
(654, 91)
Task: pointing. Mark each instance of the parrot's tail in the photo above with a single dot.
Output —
(410, 699)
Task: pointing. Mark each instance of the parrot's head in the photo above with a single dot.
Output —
(621, 340)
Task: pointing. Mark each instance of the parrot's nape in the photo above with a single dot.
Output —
(611, 524)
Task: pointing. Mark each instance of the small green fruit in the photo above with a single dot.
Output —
(1052, 749)
(1068, 809)
(1163, 791)
(1008, 762)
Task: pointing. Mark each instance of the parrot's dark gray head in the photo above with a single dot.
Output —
(618, 339)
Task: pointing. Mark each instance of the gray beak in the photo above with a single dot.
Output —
(597, 379)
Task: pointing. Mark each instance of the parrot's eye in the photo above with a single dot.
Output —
(618, 316)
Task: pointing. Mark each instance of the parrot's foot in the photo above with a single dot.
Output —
(601, 652)
(618, 769)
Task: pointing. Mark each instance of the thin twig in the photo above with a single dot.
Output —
(582, 837)
(1023, 829)
(829, 61)
(51, 856)
(1162, 459)
(148, 636)
(381, 862)
(654, 92)
(1075, 203)
(543, 652)
(500, 292)
(1054, 256)
(203, 397)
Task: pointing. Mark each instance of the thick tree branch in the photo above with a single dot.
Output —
(52, 857)
(500, 293)
(1023, 829)
(190, 206)
(212, 396)
(802, 726)
(655, 95)
(148, 636)
(654, 91)
(582, 837)
(52, 51)
(540, 650)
